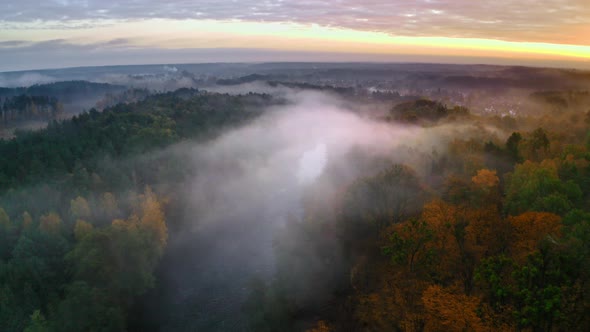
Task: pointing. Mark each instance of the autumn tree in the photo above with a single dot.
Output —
(447, 311)
(481, 190)
(152, 220)
(462, 236)
(529, 229)
(110, 265)
(50, 222)
(321, 326)
(486, 179)
(526, 289)
(453, 244)
(395, 306)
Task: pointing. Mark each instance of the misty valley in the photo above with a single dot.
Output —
(295, 197)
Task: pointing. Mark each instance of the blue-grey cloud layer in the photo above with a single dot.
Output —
(61, 54)
(531, 20)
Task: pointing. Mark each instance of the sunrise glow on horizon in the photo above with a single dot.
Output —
(433, 32)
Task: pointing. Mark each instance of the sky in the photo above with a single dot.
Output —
(65, 33)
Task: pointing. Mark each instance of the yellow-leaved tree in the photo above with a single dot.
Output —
(152, 220)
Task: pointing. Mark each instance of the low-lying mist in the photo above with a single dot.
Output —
(251, 180)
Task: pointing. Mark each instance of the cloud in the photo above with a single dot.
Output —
(531, 20)
(61, 53)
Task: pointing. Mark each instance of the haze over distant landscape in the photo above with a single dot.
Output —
(294, 166)
(63, 33)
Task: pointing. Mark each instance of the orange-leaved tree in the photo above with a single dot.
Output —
(529, 228)
(447, 311)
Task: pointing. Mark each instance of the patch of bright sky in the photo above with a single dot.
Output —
(191, 33)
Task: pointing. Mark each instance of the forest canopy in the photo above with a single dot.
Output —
(425, 217)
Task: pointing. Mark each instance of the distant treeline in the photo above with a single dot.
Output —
(562, 100)
(121, 130)
(64, 91)
(125, 97)
(47, 102)
(29, 108)
(422, 110)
